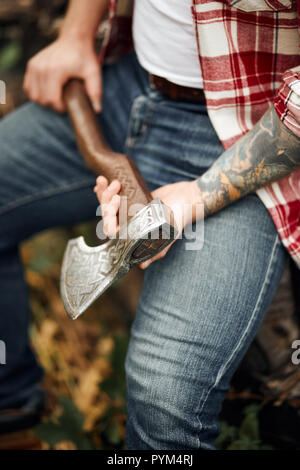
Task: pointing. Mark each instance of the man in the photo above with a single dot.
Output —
(199, 310)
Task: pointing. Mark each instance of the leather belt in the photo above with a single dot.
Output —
(177, 92)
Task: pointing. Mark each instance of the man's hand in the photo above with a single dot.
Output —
(49, 70)
(181, 197)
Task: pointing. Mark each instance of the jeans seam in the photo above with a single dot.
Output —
(43, 195)
(144, 124)
(225, 367)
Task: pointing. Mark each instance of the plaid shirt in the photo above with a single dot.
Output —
(249, 56)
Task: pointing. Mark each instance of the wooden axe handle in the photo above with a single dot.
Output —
(96, 151)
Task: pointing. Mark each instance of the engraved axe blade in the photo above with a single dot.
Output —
(88, 271)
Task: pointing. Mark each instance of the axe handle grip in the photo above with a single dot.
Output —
(95, 149)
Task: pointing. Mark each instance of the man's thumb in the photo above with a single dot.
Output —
(93, 86)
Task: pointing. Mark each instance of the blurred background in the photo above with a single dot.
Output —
(84, 360)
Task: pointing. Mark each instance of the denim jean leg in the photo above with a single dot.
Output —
(38, 174)
(45, 183)
(199, 309)
(197, 315)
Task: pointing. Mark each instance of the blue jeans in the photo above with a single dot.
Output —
(198, 311)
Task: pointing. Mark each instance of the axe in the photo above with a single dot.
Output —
(88, 271)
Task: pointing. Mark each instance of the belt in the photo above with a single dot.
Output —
(177, 92)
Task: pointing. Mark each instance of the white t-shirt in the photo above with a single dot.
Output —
(165, 42)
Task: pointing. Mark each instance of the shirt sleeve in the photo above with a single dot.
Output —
(287, 101)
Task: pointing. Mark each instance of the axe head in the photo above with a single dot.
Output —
(88, 271)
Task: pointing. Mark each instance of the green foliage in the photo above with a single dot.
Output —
(246, 437)
(46, 251)
(115, 385)
(10, 55)
(111, 429)
(68, 428)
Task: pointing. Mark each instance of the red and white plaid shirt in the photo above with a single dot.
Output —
(249, 56)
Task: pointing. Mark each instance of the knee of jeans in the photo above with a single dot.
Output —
(161, 410)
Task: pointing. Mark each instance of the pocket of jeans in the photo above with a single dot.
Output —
(140, 118)
(261, 5)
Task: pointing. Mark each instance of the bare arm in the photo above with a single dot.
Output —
(83, 18)
(72, 55)
(265, 154)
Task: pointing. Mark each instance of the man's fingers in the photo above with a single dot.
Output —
(105, 192)
(110, 203)
(36, 81)
(101, 185)
(111, 208)
(110, 191)
(93, 85)
(26, 83)
(31, 84)
(102, 181)
(115, 203)
(160, 255)
(110, 216)
(54, 98)
(110, 226)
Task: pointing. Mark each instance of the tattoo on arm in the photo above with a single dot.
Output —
(268, 152)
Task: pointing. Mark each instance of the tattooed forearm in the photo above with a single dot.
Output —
(265, 154)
